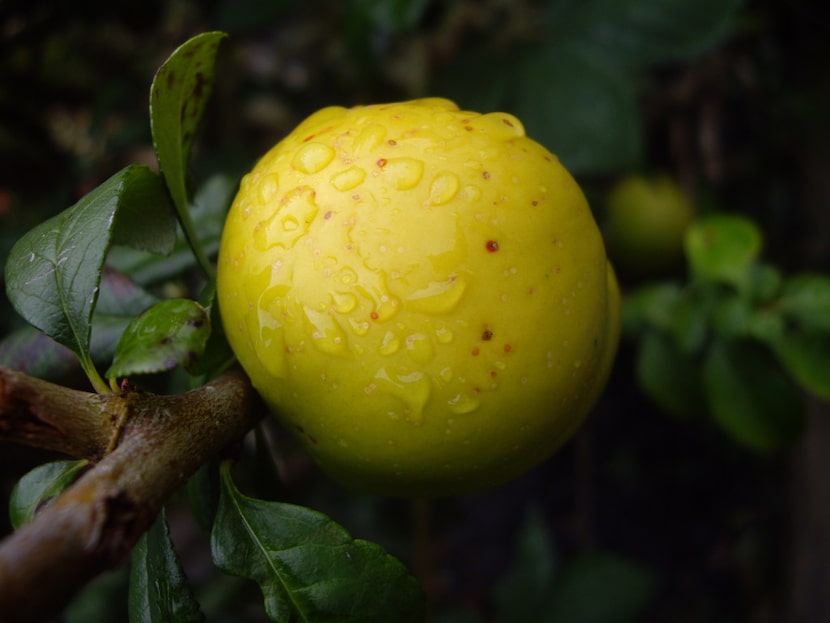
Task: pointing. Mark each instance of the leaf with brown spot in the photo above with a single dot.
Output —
(178, 96)
(169, 334)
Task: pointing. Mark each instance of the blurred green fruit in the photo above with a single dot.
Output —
(645, 221)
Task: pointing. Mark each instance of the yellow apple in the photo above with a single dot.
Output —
(420, 294)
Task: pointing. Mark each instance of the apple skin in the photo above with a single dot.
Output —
(420, 294)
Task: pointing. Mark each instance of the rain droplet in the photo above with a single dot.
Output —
(343, 302)
(268, 185)
(437, 297)
(359, 327)
(444, 188)
(463, 403)
(312, 157)
(294, 215)
(420, 348)
(443, 335)
(347, 276)
(370, 138)
(326, 334)
(405, 173)
(413, 389)
(390, 343)
(348, 179)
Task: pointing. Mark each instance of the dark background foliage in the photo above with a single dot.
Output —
(704, 530)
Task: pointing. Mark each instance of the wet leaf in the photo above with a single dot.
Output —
(308, 567)
(210, 206)
(36, 354)
(159, 590)
(53, 273)
(169, 334)
(178, 96)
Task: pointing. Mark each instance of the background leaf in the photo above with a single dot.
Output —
(39, 485)
(722, 248)
(308, 567)
(670, 377)
(750, 397)
(523, 593)
(579, 106)
(637, 33)
(576, 88)
(159, 591)
(103, 599)
(170, 334)
(806, 300)
(806, 356)
(599, 588)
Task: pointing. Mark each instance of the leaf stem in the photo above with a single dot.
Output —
(98, 383)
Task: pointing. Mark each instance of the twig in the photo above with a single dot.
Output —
(95, 523)
(44, 415)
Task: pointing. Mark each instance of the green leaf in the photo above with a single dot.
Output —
(478, 80)
(764, 282)
(159, 590)
(169, 334)
(178, 96)
(146, 219)
(599, 588)
(750, 397)
(523, 592)
(53, 273)
(650, 306)
(103, 599)
(308, 567)
(217, 354)
(40, 485)
(806, 357)
(638, 32)
(683, 314)
(806, 299)
(723, 248)
(390, 16)
(456, 615)
(732, 315)
(670, 377)
(579, 106)
(30, 351)
(766, 324)
(210, 207)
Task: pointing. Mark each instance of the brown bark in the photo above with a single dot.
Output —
(94, 524)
